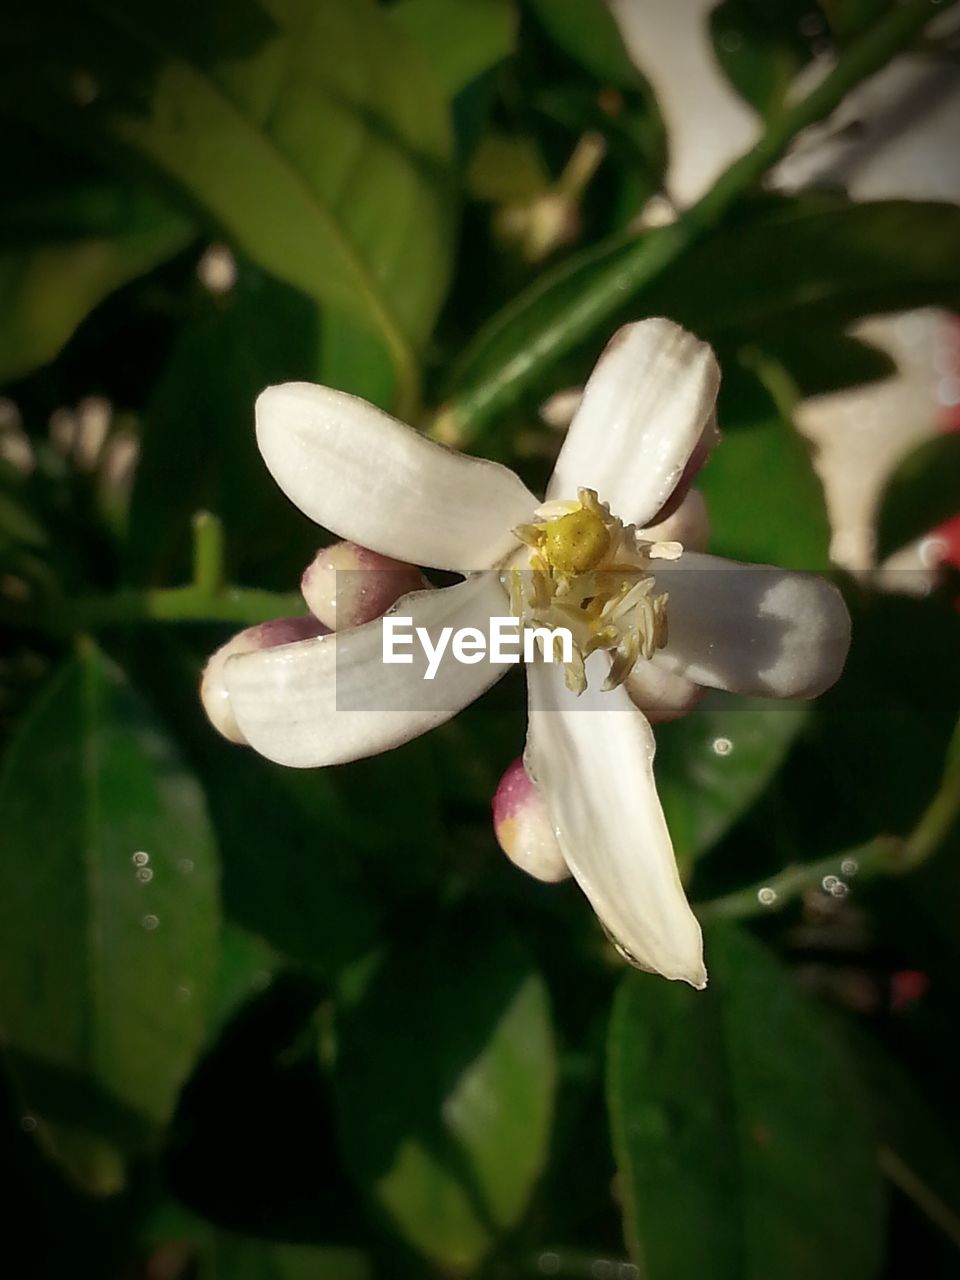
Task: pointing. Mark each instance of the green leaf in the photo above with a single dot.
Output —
(738, 1130)
(761, 48)
(235, 1258)
(765, 499)
(108, 920)
(923, 492)
(780, 268)
(587, 33)
(49, 285)
(445, 1079)
(712, 765)
(461, 38)
(312, 134)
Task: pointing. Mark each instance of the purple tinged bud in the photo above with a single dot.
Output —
(347, 585)
(265, 635)
(523, 828)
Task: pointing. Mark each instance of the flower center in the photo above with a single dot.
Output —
(589, 572)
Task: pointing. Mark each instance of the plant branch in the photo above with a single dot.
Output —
(884, 855)
(468, 414)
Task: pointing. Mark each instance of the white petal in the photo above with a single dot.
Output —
(644, 411)
(372, 480)
(752, 629)
(889, 139)
(708, 124)
(592, 757)
(334, 699)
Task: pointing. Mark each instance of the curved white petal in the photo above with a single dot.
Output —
(708, 123)
(752, 629)
(592, 757)
(334, 699)
(644, 411)
(372, 480)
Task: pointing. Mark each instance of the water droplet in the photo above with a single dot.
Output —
(548, 1264)
(28, 1124)
(185, 866)
(849, 867)
(839, 889)
(140, 859)
(731, 41)
(767, 896)
(828, 882)
(144, 875)
(722, 746)
(150, 922)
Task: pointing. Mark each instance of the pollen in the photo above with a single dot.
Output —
(587, 571)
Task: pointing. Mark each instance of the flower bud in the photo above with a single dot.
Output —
(346, 585)
(661, 695)
(266, 635)
(523, 829)
(689, 524)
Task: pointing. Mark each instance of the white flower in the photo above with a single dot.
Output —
(366, 477)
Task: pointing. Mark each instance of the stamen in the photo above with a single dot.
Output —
(590, 573)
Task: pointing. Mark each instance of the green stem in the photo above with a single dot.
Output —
(208, 553)
(884, 855)
(466, 416)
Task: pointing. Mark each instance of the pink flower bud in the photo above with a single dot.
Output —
(346, 585)
(523, 828)
(661, 695)
(266, 635)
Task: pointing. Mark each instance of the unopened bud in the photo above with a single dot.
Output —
(346, 585)
(689, 524)
(661, 695)
(266, 635)
(523, 828)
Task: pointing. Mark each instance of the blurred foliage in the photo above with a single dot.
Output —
(266, 1025)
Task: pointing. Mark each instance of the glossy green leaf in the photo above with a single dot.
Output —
(923, 491)
(762, 47)
(765, 499)
(108, 919)
(294, 126)
(738, 1128)
(712, 765)
(445, 1080)
(461, 38)
(49, 285)
(782, 268)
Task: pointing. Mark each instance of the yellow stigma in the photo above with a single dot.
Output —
(576, 542)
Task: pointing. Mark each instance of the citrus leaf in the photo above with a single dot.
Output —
(108, 920)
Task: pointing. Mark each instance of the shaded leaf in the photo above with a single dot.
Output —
(738, 1130)
(765, 499)
(291, 125)
(461, 38)
(713, 764)
(108, 919)
(923, 492)
(445, 1080)
(779, 269)
(50, 283)
(587, 33)
(236, 1258)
